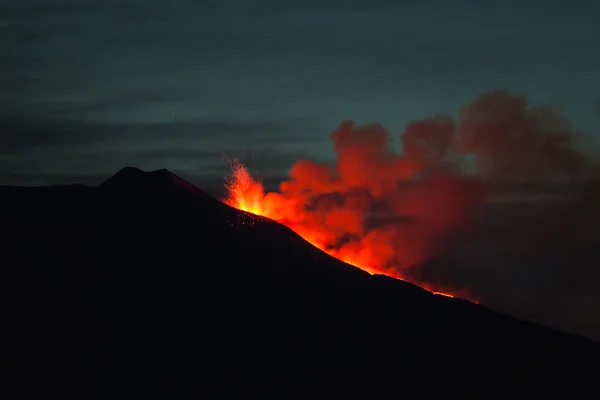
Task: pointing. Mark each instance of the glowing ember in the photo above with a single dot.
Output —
(246, 193)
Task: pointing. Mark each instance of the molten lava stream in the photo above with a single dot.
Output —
(247, 194)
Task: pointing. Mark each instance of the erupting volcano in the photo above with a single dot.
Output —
(246, 193)
(392, 212)
(110, 287)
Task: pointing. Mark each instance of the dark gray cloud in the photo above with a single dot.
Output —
(44, 151)
(22, 133)
(535, 259)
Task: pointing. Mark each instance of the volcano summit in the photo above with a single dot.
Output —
(147, 286)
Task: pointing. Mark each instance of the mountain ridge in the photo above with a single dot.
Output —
(138, 275)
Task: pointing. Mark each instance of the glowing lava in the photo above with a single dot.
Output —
(246, 193)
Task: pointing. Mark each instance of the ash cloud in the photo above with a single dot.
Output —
(531, 248)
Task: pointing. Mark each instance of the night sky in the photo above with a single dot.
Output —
(88, 87)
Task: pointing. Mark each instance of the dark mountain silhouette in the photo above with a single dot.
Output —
(146, 286)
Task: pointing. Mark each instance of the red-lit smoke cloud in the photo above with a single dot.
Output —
(392, 212)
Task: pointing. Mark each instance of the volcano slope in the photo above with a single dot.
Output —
(145, 283)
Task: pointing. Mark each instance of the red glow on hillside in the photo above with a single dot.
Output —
(248, 194)
(401, 213)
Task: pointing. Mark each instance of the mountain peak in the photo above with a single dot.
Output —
(133, 178)
(123, 176)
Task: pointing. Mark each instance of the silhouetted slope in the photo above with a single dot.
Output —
(145, 283)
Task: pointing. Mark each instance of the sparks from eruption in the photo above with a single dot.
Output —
(246, 193)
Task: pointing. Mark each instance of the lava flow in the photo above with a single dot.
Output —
(246, 193)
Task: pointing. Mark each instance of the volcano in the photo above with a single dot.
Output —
(146, 286)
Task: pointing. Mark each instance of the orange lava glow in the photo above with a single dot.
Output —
(405, 213)
(246, 193)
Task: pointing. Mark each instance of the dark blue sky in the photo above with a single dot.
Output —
(91, 86)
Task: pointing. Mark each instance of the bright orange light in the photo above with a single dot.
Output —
(247, 194)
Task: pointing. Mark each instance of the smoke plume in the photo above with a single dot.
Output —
(430, 212)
